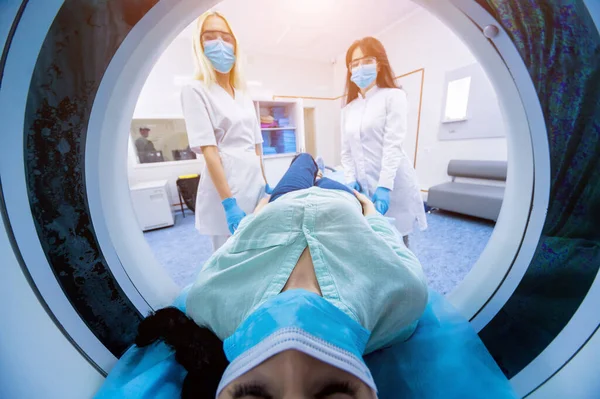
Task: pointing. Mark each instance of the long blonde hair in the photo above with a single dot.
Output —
(204, 69)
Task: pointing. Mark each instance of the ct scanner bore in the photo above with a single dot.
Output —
(54, 231)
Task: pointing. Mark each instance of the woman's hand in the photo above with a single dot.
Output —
(233, 213)
(381, 199)
(367, 205)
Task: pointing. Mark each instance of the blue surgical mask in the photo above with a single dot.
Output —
(302, 321)
(364, 75)
(220, 54)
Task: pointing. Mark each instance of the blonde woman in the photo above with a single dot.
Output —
(222, 125)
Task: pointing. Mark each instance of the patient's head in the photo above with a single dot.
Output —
(293, 374)
(289, 374)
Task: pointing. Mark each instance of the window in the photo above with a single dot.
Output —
(470, 109)
(457, 100)
(160, 140)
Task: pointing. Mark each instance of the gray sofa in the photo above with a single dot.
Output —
(474, 199)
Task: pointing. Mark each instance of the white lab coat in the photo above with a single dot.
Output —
(213, 117)
(373, 129)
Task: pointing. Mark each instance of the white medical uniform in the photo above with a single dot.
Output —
(214, 118)
(373, 129)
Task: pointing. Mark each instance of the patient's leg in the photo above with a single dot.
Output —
(300, 175)
(329, 184)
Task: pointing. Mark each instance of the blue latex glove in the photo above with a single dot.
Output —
(381, 200)
(233, 213)
(355, 186)
(268, 189)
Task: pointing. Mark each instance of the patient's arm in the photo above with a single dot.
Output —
(367, 204)
(261, 204)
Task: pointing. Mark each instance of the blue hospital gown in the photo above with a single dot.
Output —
(361, 265)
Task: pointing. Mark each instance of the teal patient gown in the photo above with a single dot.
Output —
(361, 265)
(443, 359)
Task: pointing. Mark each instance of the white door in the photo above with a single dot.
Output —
(310, 135)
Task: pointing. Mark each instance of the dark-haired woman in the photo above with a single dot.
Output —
(374, 125)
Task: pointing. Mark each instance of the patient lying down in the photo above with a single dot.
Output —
(310, 282)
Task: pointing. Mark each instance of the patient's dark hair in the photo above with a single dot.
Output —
(197, 349)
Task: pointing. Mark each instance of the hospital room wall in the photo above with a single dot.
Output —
(422, 41)
(267, 75)
(160, 98)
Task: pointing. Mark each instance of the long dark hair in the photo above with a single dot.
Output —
(370, 47)
(197, 349)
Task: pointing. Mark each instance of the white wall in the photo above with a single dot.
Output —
(422, 41)
(160, 99)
